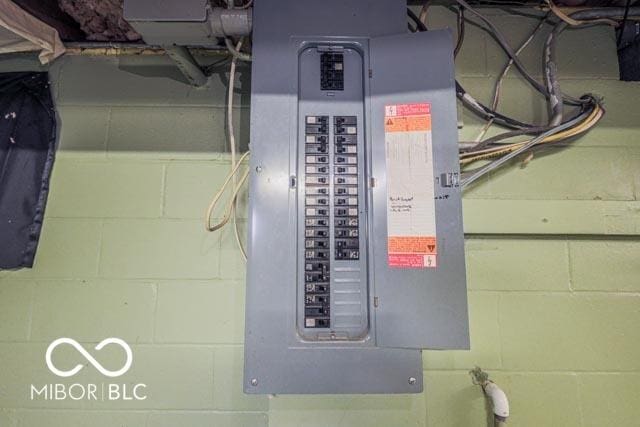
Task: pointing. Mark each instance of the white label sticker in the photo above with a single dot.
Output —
(411, 222)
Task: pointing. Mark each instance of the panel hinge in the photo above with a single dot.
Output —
(370, 73)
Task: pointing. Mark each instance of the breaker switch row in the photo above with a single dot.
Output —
(317, 220)
(346, 232)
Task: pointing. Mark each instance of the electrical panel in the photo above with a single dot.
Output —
(355, 240)
(334, 270)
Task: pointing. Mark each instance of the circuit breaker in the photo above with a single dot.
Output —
(355, 239)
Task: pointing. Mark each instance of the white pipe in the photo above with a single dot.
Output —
(499, 401)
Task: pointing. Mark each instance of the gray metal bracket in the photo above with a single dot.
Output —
(187, 65)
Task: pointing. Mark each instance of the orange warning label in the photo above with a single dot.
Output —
(412, 244)
(407, 109)
(408, 123)
(412, 261)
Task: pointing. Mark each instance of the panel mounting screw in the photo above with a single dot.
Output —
(254, 382)
(412, 380)
(258, 169)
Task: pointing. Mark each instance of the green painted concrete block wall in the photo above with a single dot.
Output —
(552, 252)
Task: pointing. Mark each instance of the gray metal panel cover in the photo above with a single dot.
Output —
(419, 307)
(169, 22)
(165, 10)
(277, 360)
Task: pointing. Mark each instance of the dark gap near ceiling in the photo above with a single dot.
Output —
(50, 13)
(83, 20)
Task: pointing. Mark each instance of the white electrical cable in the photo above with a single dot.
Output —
(231, 207)
(235, 51)
(234, 194)
(232, 143)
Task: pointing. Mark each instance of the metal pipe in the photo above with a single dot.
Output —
(231, 22)
(132, 49)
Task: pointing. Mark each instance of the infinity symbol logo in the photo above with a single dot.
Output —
(89, 358)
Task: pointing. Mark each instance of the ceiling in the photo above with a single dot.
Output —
(102, 20)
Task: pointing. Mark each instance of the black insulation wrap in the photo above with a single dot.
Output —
(27, 152)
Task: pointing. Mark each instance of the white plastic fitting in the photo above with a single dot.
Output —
(499, 400)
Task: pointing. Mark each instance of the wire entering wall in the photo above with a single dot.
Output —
(558, 128)
(586, 111)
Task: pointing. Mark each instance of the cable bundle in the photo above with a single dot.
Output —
(499, 149)
(588, 108)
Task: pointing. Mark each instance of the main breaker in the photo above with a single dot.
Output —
(355, 242)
